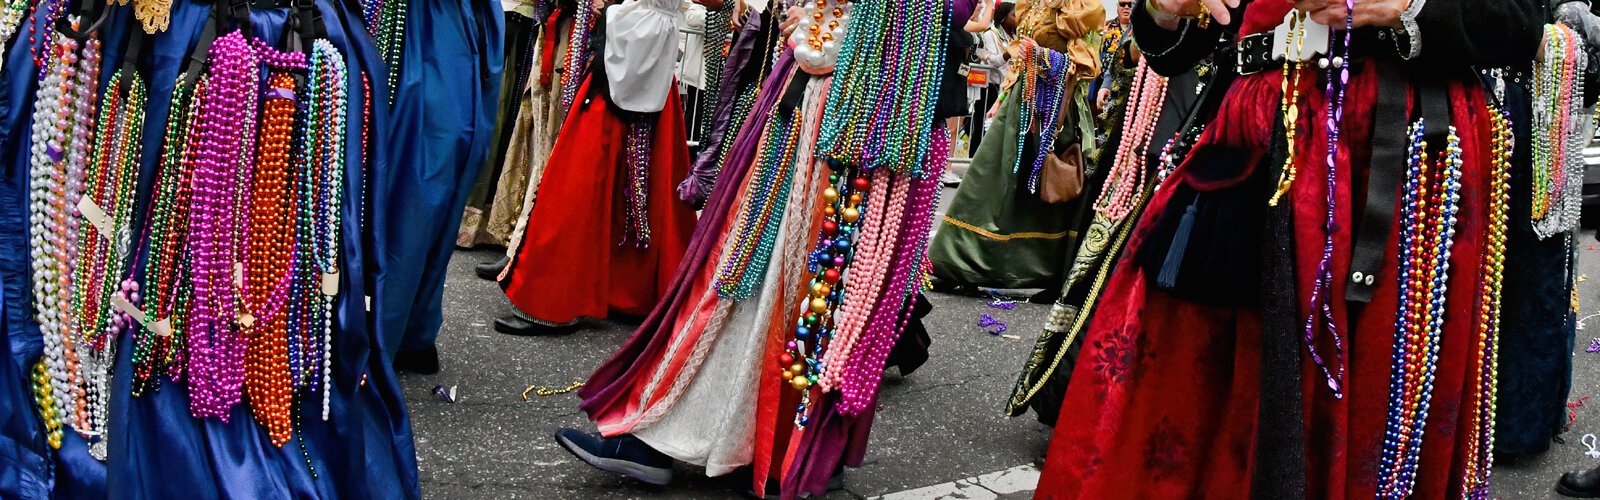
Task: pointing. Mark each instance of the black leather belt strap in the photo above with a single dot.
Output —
(1390, 144)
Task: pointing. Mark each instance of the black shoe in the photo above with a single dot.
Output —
(1580, 484)
(524, 326)
(423, 361)
(491, 270)
(624, 454)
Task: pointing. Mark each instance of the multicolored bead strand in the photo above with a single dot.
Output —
(763, 212)
(11, 19)
(1429, 204)
(156, 348)
(636, 183)
(327, 116)
(576, 60)
(1486, 365)
(44, 14)
(828, 263)
(51, 234)
(1559, 132)
(876, 118)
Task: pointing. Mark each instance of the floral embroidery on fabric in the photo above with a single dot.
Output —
(1164, 450)
(1116, 353)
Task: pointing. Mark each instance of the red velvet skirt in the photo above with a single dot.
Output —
(573, 261)
(1163, 401)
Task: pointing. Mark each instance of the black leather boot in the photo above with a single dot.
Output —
(1580, 484)
(491, 270)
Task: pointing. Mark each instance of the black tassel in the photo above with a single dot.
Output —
(1168, 278)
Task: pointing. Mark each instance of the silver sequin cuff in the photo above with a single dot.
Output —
(1413, 34)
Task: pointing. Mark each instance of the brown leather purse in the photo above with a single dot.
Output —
(1061, 179)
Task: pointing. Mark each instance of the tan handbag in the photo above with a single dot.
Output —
(1061, 179)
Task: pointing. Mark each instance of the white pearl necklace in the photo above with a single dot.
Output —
(817, 37)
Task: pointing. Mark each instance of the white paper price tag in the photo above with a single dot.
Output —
(96, 217)
(330, 284)
(122, 304)
(162, 327)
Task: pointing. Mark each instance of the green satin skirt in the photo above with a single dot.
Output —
(996, 234)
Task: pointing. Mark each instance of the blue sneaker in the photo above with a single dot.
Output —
(624, 454)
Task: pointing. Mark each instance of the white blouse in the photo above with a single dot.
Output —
(642, 52)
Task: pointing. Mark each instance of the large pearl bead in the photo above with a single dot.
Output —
(830, 194)
(800, 383)
(819, 305)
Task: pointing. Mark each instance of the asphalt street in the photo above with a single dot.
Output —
(941, 424)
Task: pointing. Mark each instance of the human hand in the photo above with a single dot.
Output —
(1168, 12)
(791, 19)
(1381, 13)
(1102, 98)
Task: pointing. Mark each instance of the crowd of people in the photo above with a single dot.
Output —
(1308, 248)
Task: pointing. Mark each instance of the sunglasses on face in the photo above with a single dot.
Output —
(1124, 5)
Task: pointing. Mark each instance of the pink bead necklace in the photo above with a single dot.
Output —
(220, 152)
(890, 315)
(1128, 171)
(870, 264)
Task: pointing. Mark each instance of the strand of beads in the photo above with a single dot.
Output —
(43, 28)
(866, 123)
(1558, 142)
(11, 18)
(864, 284)
(1024, 90)
(269, 239)
(1428, 214)
(890, 315)
(844, 120)
(44, 400)
(1321, 305)
(107, 206)
(49, 204)
(577, 56)
(391, 39)
(218, 152)
(842, 218)
(101, 244)
(1486, 366)
(636, 186)
(1290, 106)
(1127, 174)
(370, 12)
(763, 212)
(1051, 95)
(328, 116)
(154, 348)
